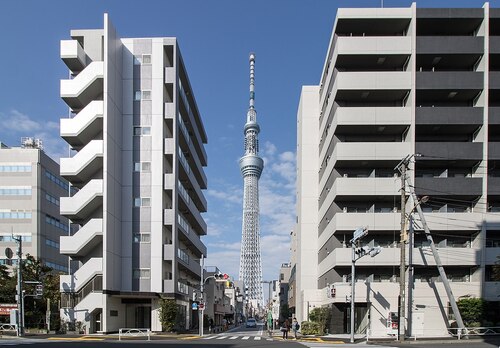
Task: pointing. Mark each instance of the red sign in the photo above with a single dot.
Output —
(5, 308)
(201, 306)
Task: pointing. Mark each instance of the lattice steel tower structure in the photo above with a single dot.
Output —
(251, 166)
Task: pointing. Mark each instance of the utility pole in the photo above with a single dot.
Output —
(20, 297)
(402, 167)
(202, 282)
(353, 284)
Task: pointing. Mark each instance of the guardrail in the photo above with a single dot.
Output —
(475, 331)
(8, 328)
(134, 333)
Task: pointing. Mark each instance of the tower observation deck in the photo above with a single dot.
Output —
(251, 166)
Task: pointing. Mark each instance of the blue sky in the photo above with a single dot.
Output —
(290, 39)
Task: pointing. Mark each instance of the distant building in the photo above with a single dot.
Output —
(283, 284)
(139, 161)
(30, 194)
(219, 302)
(397, 82)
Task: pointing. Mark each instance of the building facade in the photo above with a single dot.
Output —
(138, 159)
(30, 194)
(399, 82)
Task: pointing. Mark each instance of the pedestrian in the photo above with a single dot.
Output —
(285, 328)
(295, 327)
(210, 325)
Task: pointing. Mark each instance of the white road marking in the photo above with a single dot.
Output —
(257, 338)
(233, 338)
(246, 338)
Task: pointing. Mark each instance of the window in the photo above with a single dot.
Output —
(113, 313)
(146, 59)
(15, 214)
(56, 266)
(52, 199)
(63, 184)
(139, 95)
(142, 202)
(142, 131)
(15, 191)
(15, 168)
(144, 237)
(56, 222)
(141, 273)
(9, 239)
(142, 166)
(52, 243)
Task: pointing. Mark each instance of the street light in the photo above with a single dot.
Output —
(356, 255)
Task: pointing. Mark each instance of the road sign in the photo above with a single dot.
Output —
(9, 253)
(201, 306)
(194, 306)
(359, 233)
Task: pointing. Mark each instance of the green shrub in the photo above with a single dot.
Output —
(472, 310)
(310, 328)
(320, 315)
(168, 314)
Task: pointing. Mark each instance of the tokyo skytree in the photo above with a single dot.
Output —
(251, 166)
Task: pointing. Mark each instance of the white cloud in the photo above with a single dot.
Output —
(21, 125)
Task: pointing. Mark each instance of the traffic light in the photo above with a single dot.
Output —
(221, 277)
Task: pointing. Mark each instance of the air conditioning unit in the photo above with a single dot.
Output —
(344, 209)
(395, 210)
(345, 175)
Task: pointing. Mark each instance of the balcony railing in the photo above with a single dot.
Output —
(184, 224)
(181, 254)
(184, 193)
(183, 288)
(184, 161)
(184, 129)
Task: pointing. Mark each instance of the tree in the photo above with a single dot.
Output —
(472, 310)
(320, 315)
(8, 288)
(168, 314)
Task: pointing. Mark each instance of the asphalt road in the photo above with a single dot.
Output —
(239, 337)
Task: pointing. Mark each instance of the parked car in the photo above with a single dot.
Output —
(251, 322)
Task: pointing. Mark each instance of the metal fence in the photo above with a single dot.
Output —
(134, 333)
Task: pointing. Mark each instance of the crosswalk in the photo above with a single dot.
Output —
(237, 337)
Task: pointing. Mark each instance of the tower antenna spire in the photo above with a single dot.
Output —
(252, 80)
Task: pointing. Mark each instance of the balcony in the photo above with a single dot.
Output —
(79, 207)
(168, 286)
(168, 216)
(491, 291)
(372, 80)
(442, 45)
(448, 186)
(83, 241)
(493, 186)
(376, 45)
(170, 75)
(494, 115)
(449, 116)
(468, 221)
(449, 256)
(168, 252)
(439, 151)
(169, 110)
(341, 257)
(187, 263)
(85, 87)
(81, 167)
(494, 80)
(74, 282)
(449, 80)
(73, 55)
(85, 126)
(189, 236)
(378, 116)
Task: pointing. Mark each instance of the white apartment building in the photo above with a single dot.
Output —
(138, 141)
(396, 82)
(30, 192)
